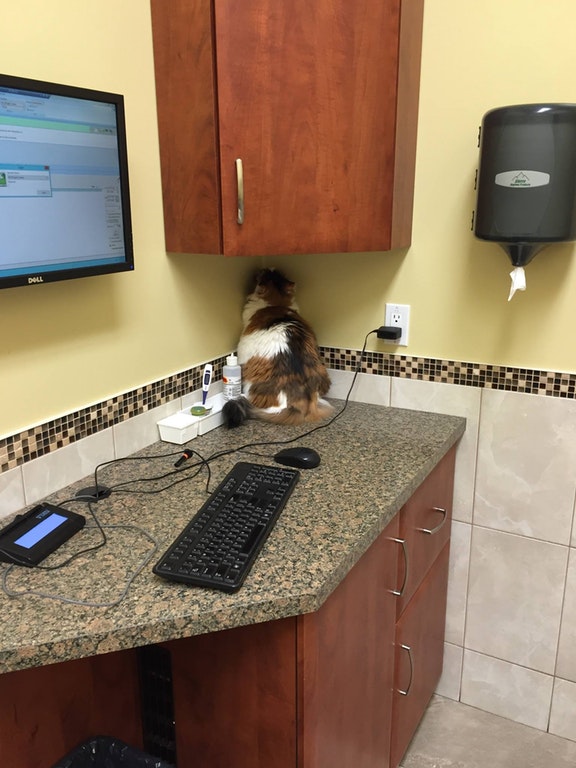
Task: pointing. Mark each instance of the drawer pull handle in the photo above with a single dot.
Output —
(400, 592)
(409, 651)
(240, 188)
(432, 531)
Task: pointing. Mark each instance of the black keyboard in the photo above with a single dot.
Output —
(219, 545)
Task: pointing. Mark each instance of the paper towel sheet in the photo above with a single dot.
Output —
(518, 281)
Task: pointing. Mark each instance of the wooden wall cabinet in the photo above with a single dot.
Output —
(317, 101)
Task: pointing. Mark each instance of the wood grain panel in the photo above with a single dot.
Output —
(45, 712)
(346, 659)
(307, 96)
(408, 92)
(419, 513)
(187, 123)
(421, 628)
(319, 101)
(234, 697)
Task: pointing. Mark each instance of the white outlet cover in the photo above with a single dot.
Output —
(398, 315)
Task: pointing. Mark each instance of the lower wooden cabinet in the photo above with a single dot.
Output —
(424, 524)
(343, 687)
(419, 654)
(314, 690)
(45, 712)
(346, 666)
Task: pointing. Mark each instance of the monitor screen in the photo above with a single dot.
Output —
(64, 197)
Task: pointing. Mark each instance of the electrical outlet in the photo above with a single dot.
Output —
(398, 316)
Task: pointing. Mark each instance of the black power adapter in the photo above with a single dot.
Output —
(389, 332)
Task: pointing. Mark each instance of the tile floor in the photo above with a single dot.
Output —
(454, 735)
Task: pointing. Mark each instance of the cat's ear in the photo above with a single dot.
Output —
(256, 285)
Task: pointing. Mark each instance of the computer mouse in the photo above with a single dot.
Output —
(301, 458)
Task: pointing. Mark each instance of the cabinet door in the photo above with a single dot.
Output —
(318, 100)
(45, 712)
(234, 697)
(425, 522)
(419, 655)
(184, 63)
(345, 666)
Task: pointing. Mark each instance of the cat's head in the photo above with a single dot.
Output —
(273, 288)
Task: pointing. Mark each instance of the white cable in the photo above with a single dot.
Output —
(90, 604)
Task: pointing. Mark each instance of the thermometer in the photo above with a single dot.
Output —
(206, 380)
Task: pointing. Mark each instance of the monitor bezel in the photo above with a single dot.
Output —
(39, 276)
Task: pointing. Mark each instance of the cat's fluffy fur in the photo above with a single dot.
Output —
(283, 377)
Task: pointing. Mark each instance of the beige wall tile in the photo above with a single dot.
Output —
(56, 470)
(458, 582)
(12, 497)
(457, 401)
(566, 664)
(507, 690)
(142, 430)
(367, 388)
(525, 481)
(563, 713)
(515, 598)
(449, 683)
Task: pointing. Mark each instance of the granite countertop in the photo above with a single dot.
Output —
(373, 459)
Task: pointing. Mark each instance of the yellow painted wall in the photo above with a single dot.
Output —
(66, 345)
(476, 56)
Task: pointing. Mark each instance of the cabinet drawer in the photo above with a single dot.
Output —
(425, 522)
(419, 655)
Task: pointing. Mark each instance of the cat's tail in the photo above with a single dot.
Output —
(236, 412)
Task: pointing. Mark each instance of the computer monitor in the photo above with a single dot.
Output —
(64, 191)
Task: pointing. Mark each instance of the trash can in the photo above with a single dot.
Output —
(106, 752)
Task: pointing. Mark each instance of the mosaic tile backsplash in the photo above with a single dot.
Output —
(42, 439)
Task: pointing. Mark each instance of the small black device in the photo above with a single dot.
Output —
(219, 545)
(31, 537)
(298, 456)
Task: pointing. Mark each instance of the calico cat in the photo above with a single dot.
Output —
(283, 377)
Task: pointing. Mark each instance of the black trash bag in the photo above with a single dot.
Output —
(105, 752)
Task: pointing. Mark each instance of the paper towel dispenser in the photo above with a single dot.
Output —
(526, 183)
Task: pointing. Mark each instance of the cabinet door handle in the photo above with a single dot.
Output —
(400, 592)
(409, 651)
(240, 190)
(432, 531)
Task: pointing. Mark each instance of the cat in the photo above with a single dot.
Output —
(283, 377)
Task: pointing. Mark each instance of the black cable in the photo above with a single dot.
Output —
(87, 603)
(119, 486)
(205, 462)
(197, 465)
(81, 552)
(324, 425)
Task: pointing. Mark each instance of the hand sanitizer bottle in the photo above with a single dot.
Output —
(232, 378)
